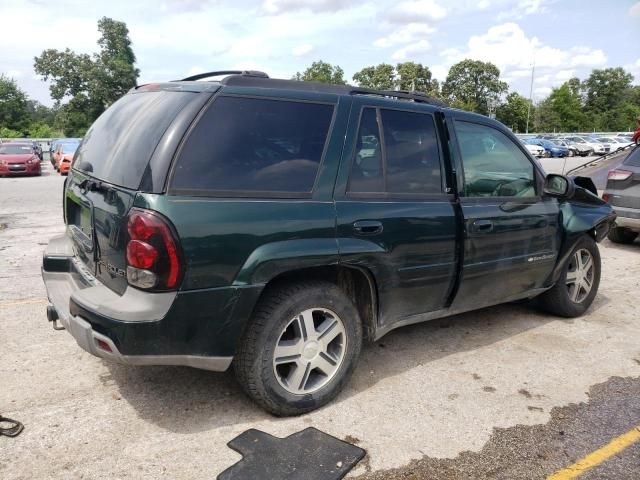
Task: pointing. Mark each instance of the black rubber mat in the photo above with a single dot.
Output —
(306, 455)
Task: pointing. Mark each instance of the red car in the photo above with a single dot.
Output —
(63, 157)
(18, 159)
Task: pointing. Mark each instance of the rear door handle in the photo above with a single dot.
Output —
(482, 226)
(367, 227)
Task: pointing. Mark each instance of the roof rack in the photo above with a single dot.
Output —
(419, 97)
(246, 73)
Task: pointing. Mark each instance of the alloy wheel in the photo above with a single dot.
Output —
(580, 275)
(309, 351)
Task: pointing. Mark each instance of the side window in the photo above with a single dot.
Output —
(255, 145)
(411, 160)
(494, 166)
(412, 155)
(366, 170)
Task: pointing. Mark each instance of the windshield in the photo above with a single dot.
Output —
(15, 150)
(119, 145)
(69, 148)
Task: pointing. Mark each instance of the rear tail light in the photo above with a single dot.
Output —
(605, 197)
(153, 253)
(619, 174)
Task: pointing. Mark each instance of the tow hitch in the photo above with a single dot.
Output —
(52, 316)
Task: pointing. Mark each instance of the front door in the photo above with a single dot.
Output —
(394, 217)
(511, 229)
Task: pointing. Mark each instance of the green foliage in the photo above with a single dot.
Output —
(381, 77)
(611, 102)
(322, 72)
(92, 82)
(42, 130)
(562, 111)
(472, 84)
(416, 77)
(14, 115)
(513, 113)
(9, 133)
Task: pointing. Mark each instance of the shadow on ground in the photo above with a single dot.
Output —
(187, 400)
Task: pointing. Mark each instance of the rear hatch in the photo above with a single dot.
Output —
(623, 184)
(108, 168)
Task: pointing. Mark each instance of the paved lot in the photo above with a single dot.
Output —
(472, 396)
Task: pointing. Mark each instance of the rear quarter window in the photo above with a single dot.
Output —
(633, 159)
(254, 146)
(118, 146)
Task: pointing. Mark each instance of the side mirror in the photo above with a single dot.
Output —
(558, 185)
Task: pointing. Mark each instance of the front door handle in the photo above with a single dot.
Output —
(483, 226)
(367, 227)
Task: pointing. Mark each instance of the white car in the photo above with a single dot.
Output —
(535, 150)
(598, 148)
(617, 143)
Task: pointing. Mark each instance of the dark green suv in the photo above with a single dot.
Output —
(275, 224)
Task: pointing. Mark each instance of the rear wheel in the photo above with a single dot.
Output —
(622, 235)
(570, 154)
(578, 284)
(300, 348)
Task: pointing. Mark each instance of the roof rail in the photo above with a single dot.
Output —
(419, 97)
(246, 73)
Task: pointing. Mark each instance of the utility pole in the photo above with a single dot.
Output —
(533, 72)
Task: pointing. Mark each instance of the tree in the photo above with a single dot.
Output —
(609, 99)
(381, 77)
(513, 113)
(562, 111)
(94, 82)
(472, 85)
(322, 72)
(14, 115)
(414, 76)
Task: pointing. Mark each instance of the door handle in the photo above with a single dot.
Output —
(367, 227)
(483, 226)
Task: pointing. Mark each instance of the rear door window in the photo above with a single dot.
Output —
(119, 145)
(404, 160)
(254, 146)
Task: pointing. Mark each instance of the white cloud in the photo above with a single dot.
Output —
(439, 72)
(280, 6)
(634, 11)
(542, 92)
(407, 34)
(302, 50)
(413, 51)
(524, 8)
(634, 69)
(564, 75)
(586, 57)
(413, 11)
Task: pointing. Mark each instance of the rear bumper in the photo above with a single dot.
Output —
(198, 329)
(628, 218)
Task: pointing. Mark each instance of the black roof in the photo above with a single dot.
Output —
(252, 78)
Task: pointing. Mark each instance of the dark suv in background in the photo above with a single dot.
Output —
(275, 224)
(623, 193)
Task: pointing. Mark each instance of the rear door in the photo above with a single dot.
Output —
(511, 230)
(108, 169)
(395, 217)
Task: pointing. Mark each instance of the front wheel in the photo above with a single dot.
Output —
(300, 348)
(578, 284)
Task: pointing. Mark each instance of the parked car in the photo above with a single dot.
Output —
(551, 149)
(606, 145)
(65, 152)
(617, 143)
(623, 193)
(573, 150)
(597, 147)
(579, 148)
(275, 224)
(18, 159)
(533, 148)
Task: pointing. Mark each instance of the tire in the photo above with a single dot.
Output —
(278, 324)
(570, 154)
(547, 154)
(622, 235)
(562, 299)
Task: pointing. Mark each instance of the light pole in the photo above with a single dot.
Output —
(533, 72)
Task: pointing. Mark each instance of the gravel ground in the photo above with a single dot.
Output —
(425, 393)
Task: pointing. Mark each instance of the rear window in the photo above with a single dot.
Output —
(633, 159)
(254, 146)
(119, 145)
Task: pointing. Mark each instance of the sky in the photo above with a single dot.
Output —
(176, 38)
